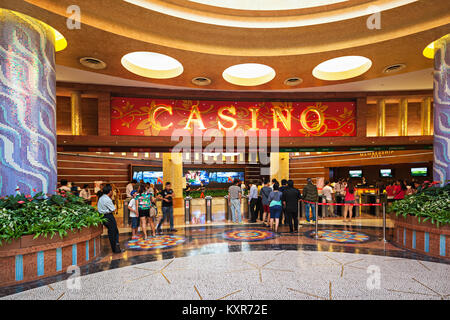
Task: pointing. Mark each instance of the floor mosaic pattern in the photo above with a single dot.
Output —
(248, 235)
(340, 236)
(157, 242)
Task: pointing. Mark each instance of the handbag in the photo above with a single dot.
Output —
(153, 211)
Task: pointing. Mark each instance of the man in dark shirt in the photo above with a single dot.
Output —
(311, 195)
(283, 211)
(290, 198)
(166, 195)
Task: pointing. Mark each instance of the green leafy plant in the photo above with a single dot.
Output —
(431, 204)
(44, 215)
(211, 192)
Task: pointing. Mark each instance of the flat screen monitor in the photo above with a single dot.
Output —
(155, 177)
(419, 172)
(386, 173)
(226, 176)
(355, 173)
(195, 177)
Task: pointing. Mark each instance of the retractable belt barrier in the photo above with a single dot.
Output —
(316, 236)
(345, 204)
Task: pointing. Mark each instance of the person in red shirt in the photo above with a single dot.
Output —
(399, 191)
(390, 191)
(349, 200)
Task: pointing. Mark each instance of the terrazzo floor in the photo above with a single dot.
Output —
(271, 274)
(209, 261)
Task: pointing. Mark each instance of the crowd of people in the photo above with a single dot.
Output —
(270, 202)
(274, 204)
(141, 199)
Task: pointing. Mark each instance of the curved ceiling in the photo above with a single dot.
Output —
(113, 28)
(267, 4)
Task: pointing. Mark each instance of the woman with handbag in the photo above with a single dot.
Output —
(144, 203)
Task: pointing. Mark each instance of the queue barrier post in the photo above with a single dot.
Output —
(245, 207)
(208, 205)
(316, 235)
(384, 221)
(187, 210)
(227, 209)
(126, 212)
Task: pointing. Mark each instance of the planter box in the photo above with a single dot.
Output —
(421, 237)
(28, 259)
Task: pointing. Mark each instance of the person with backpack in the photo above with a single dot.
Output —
(144, 204)
(265, 192)
(275, 204)
(310, 194)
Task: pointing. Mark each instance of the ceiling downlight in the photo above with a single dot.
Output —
(152, 65)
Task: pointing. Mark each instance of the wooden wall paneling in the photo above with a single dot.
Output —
(104, 114)
(361, 117)
(63, 116)
(89, 116)
(392, 119)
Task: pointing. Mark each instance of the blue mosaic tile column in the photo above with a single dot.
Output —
(441, 170)
(27, 105)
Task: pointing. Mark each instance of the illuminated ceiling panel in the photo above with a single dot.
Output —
(249, 74)
(268, 4)
(152, 65)
(342, 68)
(272, 21)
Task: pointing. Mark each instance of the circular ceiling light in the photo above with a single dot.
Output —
(201, 81)
(249, 74)
(293, 81)
(431, 49)
(93, 63)
(342, 68)
(152, 65)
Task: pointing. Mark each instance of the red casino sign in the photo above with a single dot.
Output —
(158, 117)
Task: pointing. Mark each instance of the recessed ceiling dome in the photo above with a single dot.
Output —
(342, 68)
(249, 74)
(267, 4)
(152, 65)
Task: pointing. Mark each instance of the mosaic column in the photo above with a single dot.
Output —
(441, 170)
(27, 105)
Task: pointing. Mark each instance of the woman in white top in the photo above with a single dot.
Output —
(85, 193)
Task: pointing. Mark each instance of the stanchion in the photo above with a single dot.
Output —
(316, 236)
(384, 221)
(187, 210)
(227, 209)
(208, 204)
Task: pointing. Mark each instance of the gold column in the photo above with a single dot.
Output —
(425, 117)
(173, 173)
(381, 118)
(279, 166)
(75, 106)
(403, 117)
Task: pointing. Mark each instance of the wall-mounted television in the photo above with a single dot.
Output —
(195, 177)
(419, 172)
(155, 177)
(226, 176)
(355, 173)
(386, 173)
